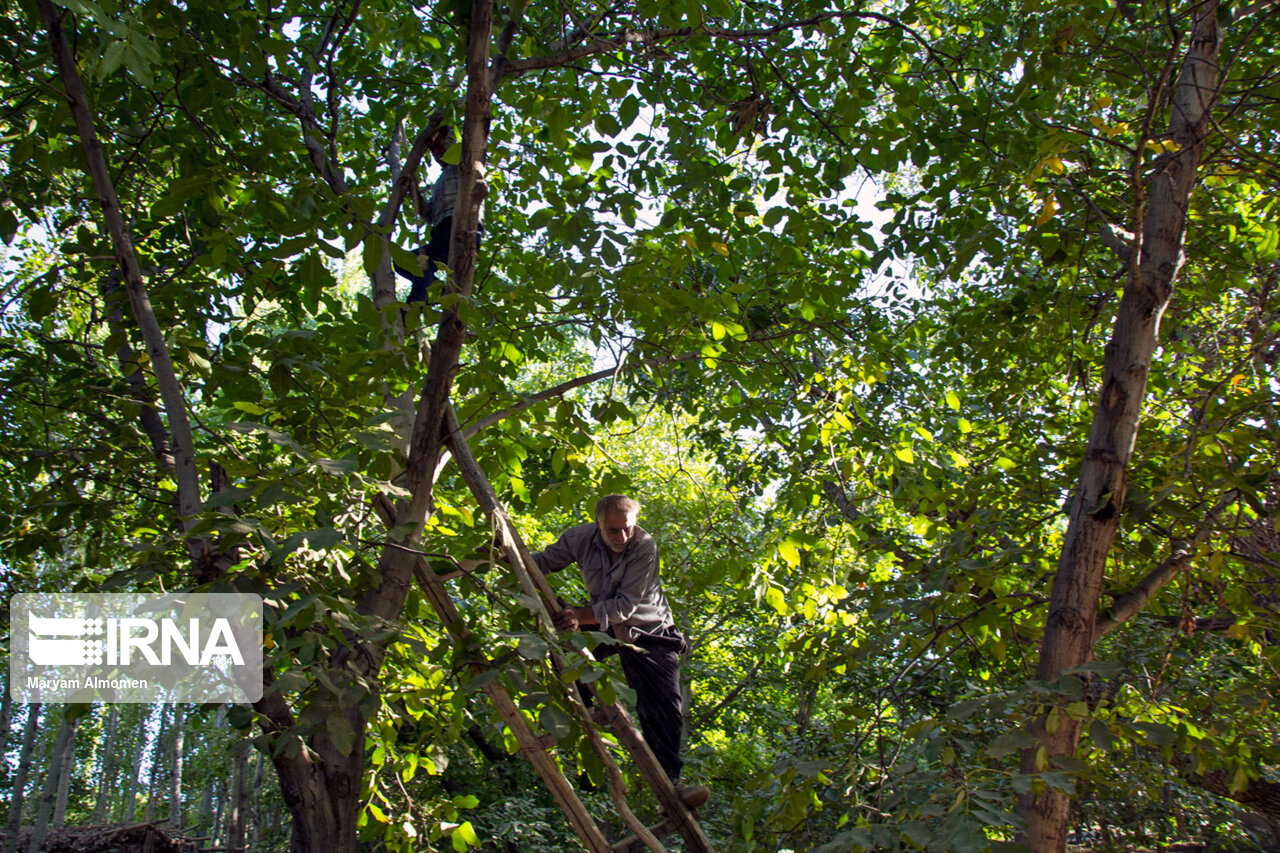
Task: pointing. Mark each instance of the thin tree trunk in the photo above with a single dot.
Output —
(238, 800)
(65, 742)
(255, 809)
(65, 771)
(20, 775)
(107, 775)
(175, 792)
(219, 809)
(129, 801)
(6, 718)
(1100, 492)
(157, 758)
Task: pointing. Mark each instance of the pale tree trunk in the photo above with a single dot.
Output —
(175, 791)
(218, 792)
(106, 779)
(65, 771)
(238, 799)
(6, 718)
(21, 772)
(1100, 493)
(255, 808)
(205, 820)
(65, 742)
(157, 759)
(129, 799)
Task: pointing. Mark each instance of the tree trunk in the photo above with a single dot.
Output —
(323, 796)
(238, 800)
(65, 771)
(175, 791)
(1100, 492)
(105, 779)
(6, 718)
(65, 743)
(219, 794)
(129, 799)
(21, 772)
(157, 758)
(320, 785)
(255, 809)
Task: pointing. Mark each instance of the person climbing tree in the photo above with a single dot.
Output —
(437, 211)
(619, 565)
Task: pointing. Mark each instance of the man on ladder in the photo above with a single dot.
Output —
(619, 565)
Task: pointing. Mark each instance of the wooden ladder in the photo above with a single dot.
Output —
(678, 817)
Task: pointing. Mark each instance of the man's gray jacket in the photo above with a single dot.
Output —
(626, 595)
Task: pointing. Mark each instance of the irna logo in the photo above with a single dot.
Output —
(63, 641)
(117, 647)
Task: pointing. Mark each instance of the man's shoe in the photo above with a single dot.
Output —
(693, 796)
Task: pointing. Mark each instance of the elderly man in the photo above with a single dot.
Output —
(619, 565)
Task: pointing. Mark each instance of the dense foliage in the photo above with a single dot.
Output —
(828, 286)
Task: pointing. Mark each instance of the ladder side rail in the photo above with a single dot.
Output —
(517, 554)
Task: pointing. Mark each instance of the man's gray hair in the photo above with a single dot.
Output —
(609, 503)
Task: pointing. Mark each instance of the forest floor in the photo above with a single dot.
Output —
(131, 838)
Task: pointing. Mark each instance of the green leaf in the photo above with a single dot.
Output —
(532, 647)
(555, 721)
(371, 254)
(325, 537)
(227, 497)
(42, 302)
(341, 733)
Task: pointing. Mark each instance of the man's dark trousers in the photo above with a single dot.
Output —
(654, 674)
(436, 252)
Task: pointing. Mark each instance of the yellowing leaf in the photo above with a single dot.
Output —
(776, 600)
(1102, 102)
(953, 401)
(789, 552)
(1054, 164)
(688, 241)
(1236, 380)
(721, 248)
(1047, 212)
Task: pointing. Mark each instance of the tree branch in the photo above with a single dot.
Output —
(175, 405)
(1127, 605)
(564, 388)
(649, 37)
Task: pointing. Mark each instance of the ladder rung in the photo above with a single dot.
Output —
(631, 844)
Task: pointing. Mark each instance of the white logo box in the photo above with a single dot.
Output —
(131, 648)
